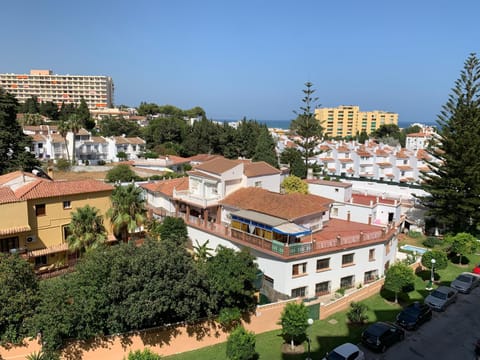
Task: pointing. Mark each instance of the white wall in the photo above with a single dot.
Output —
(339, 193)
(269, 182)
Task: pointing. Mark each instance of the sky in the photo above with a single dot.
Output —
(251, 58)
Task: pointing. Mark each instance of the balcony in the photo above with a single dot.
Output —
(197, 200)
(308, 246)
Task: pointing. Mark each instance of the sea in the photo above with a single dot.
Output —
(285, 124)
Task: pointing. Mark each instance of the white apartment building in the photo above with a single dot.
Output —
(95, 89)
(300, 248)
(47, 143)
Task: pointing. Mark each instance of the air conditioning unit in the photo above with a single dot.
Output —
(31, 239)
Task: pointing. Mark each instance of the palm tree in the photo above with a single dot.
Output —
(128, 210)
(75, 124)
(202, 252)
(63, 129)
(86, 230)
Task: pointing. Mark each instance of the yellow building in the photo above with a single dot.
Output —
(35, 213)
(346, 121)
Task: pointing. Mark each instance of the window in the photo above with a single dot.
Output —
(267, 280)
(347, 259)
(299, 269)
(299, 292)
(323, 264)
(258, 184)
(66, 232)
(370, 276)
(9, 243)
(322, 288)
(40, 209)
(371, 255)
(347, 282)
(335, 211)
(41, 260)
(67, 204)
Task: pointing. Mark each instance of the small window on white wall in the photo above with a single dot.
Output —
(258, 184)
(335, 211)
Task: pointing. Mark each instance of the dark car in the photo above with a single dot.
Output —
(441, 297)
(465, 282)
(414, 315)
(381, 335)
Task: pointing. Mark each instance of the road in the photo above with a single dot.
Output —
(449, 335)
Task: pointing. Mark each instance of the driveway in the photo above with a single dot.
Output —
(449, 335)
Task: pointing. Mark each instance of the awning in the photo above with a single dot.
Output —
(50, 250)
(14, 230)
(258, 217)
(292, 229)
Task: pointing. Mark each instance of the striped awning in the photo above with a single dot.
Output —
(14, 230)
(49, 250)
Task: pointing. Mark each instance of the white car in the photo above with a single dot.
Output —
(345, 351)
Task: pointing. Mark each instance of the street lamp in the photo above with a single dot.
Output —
(433, 265)
(310, 322)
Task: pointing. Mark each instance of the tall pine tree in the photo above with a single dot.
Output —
(265, 148)
(306, 126)
(14, 144)
(454, 183)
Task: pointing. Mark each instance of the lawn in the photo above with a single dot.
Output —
(327, 334)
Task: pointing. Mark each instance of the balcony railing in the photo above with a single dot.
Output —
(283, 250)
(194, 199)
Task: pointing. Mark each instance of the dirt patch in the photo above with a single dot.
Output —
(297, 349)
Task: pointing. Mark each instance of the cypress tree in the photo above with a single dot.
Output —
(454, 182)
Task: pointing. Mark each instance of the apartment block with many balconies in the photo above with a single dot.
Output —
(97, 90)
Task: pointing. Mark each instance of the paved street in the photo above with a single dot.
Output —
(449, 335)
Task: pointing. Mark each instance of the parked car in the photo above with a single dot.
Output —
(441, 297)
(381, 335)
(466, 282)
(345, 351)
(476, 269)
(414, 315)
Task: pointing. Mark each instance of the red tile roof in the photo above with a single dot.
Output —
(44, 189)
(259, 168)
(329, 183)
(166, 187)
(344, 228)
(217, 166)
(203, 157)
(7, 195)
(284, 206)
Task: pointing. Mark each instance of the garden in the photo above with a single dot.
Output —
(337, 329)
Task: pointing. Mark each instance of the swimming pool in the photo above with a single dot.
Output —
(413, 248)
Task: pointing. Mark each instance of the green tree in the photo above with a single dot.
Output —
(294, 322)
(86, 230)
(117, 126)
(83, 114)
(145, 354)
(306, 126)
(362, 137)
(387, 130)
(50, 110)
(397, 277)
(241, 345)
(201, 251)
(66, 110)
(265, 148)
(231, 276)
(145, 109)
(293, 184)
(18, 296)
(453, 184)
(128, 210)
(14, 144)
(441, 259)
(122, 173)
(174, 230)
(30, 106)
(122, 156)
(293, 157)
(462, 244)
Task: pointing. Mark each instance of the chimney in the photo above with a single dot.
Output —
(370, 219)
(348, 215)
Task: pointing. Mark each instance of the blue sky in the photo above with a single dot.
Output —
(251, 57)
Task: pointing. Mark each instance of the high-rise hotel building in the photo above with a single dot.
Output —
(96, 90)
(346, 121)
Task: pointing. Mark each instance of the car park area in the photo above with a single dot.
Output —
(452, 334)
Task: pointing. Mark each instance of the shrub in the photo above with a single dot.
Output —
(415, 234)
(357, 313)
(63, 165)
(101, 162)
(431, 242)
(146, 354)
(121, 173)
(241, 345)
(229, 317)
